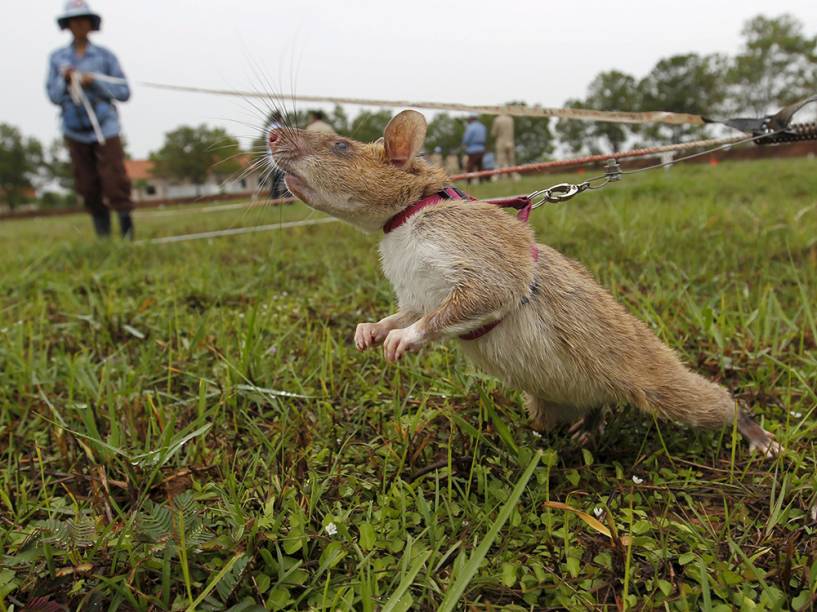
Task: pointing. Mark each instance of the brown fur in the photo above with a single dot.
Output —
(365, 170)
(562, 338)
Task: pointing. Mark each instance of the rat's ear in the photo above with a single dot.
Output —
(404, 136)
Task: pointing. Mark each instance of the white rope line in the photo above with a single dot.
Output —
(235, 231)
(516, 111)
(581, 114)
(176, 209)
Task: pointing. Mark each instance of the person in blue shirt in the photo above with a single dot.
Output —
(85, 81)
(473, 141)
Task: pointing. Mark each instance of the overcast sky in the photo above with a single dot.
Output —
(473, 51)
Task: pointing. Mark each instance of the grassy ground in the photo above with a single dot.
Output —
(189, 424)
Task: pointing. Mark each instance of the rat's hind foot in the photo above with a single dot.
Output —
(545, 416)
(582, 425)
(770, 447)
(759, 439)
(588, 428)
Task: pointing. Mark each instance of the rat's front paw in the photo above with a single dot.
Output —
(369, 334)
(400, 341)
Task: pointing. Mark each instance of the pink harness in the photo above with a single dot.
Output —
(522, 204)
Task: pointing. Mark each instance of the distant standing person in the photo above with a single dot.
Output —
(316, 122)
(502, 131)
(473, 141)
(92, 139)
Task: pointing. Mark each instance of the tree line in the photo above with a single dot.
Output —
(775, 65)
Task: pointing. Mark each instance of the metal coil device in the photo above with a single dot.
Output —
(794, 133)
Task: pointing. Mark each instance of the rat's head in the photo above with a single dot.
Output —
(364, 184)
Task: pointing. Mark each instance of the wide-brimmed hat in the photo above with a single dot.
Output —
(78, 8)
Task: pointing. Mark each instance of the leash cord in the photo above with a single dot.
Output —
(562, 192)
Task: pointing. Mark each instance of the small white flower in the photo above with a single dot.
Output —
(796, 415)
(598, 511)
(331, 529)
(637, 480)
(536, 434)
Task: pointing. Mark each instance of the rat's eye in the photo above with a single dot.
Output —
(341, 146)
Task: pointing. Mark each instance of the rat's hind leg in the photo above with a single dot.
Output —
(545, 415)
(589, 427)
(759, 439)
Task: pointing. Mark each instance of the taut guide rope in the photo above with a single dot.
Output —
(581, 114)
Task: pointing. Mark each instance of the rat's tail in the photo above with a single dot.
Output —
(686, 397)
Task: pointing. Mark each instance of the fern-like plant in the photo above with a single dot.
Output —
(159, 523)
(78, 532)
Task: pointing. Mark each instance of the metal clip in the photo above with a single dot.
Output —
(562, 192)
(555, 194)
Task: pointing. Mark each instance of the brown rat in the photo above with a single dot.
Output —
(459, 267)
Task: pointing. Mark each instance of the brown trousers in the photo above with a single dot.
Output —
(474, 162)
(100, 176)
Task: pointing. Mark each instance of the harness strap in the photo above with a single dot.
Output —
(448, 193)
(523, 204)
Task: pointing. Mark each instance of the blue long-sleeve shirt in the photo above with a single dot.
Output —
(474, 138)
(100, 94)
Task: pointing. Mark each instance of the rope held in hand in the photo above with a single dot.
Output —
(80, 98)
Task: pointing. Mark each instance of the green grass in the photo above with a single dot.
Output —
(179, 424)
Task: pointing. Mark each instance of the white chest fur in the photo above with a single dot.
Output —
(419, 270)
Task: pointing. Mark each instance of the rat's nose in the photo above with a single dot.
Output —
(274, 136)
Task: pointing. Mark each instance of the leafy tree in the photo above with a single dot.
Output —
(445, 131)
(21, 160)
(368, 126)
(57, 164)
(611, 91)
(777, 65)
(194, 153)
(577, 135)
(688, 83)
(56, 169)
(340, 120)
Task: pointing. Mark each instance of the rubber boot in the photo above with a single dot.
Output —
(126, 225)
(102, 224)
